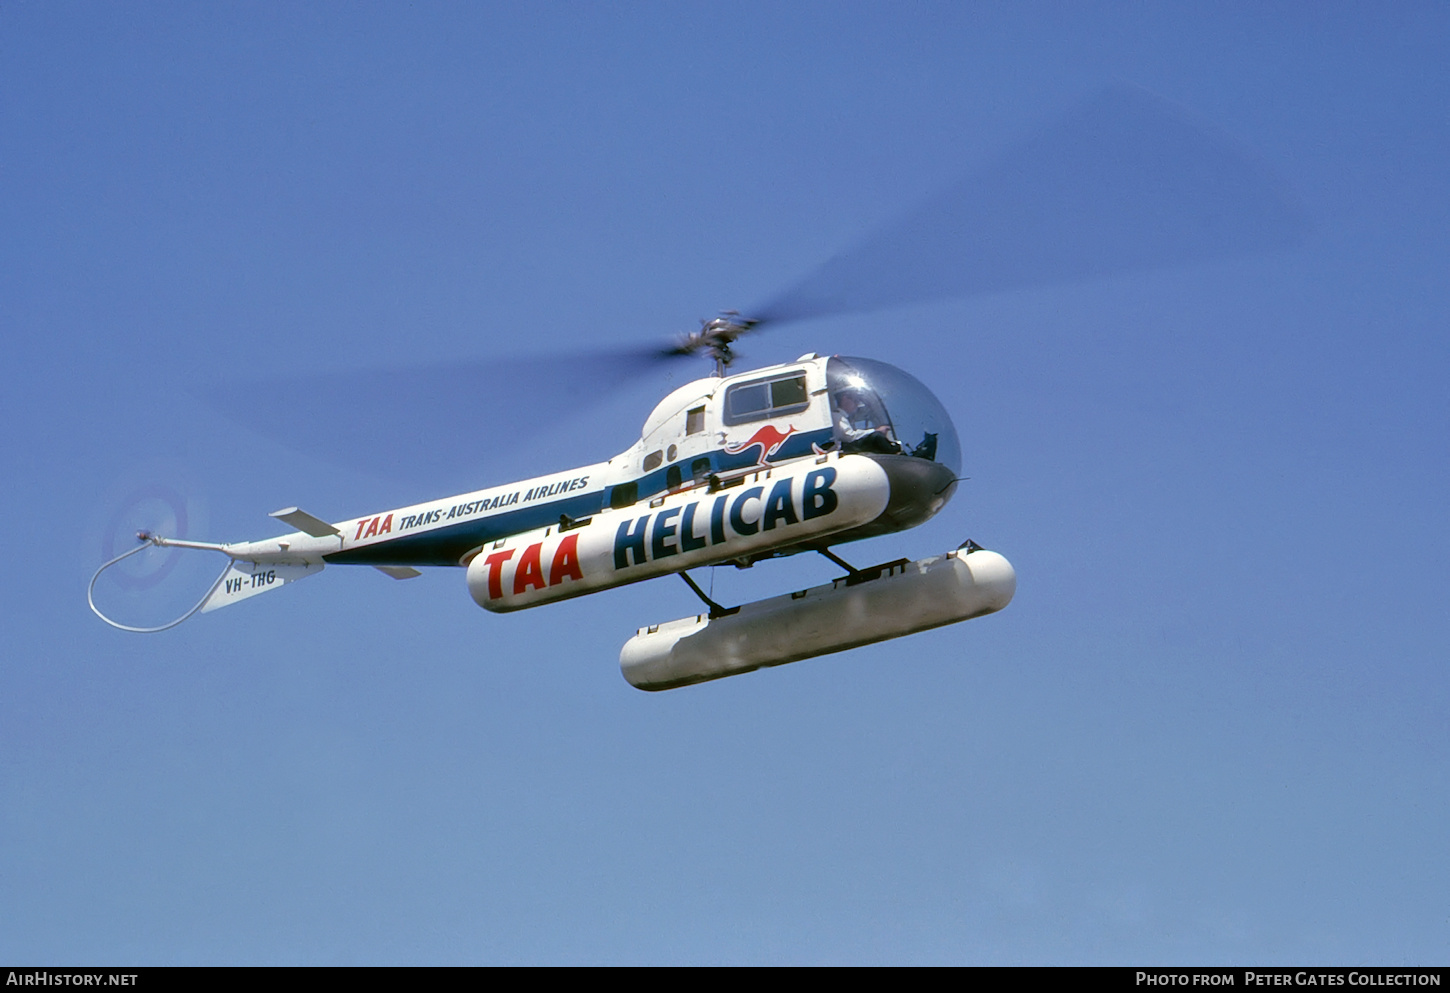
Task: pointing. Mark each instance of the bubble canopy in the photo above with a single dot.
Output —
(914, 418)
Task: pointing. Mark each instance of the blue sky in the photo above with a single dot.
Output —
(1210, 728)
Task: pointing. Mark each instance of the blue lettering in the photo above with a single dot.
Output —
(688, 541)
(717, 521)
(663, 531)
(778, 507)
(819, 499)
(737, 520)
(626, 540)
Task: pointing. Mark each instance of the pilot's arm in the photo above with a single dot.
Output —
(845, 431)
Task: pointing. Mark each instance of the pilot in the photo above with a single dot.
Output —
(860, 427)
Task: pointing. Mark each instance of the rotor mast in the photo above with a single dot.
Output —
(715, 338)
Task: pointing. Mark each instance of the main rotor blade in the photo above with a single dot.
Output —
(435, 424)
(1125, 182)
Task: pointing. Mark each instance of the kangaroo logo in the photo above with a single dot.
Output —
(768, 439)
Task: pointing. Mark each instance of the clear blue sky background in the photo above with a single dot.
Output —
(1211, 728)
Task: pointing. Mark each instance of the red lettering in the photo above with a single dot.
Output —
(495, 572)
(529, 572)
(566, 561)
(360, 525)
(387, 525)
(372, 528)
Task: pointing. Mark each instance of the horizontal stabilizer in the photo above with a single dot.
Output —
(304, 522)
(398, 571)
(247, 579)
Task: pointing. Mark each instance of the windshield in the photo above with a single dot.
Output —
(876, 407)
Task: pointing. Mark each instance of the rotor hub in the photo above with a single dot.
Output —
(715, 338)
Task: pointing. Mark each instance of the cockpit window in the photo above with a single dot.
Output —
(766, 398)
(877, 408)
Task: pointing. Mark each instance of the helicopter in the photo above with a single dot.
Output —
(730, 469)
(736, 468)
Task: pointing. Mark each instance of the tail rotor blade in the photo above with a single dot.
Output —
(153, 508)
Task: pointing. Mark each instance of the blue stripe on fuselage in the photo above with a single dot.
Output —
(443, 546)
(798, 445)
(447, 545)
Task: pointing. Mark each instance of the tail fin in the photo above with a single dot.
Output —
(246, 579)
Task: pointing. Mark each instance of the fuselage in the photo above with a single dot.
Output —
(727, 469)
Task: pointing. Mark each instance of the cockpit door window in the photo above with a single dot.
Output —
(764, 398)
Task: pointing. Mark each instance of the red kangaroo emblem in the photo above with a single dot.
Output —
(768, 438)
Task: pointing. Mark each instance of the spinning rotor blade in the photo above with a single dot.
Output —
(433, 423)
(1123, 183)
